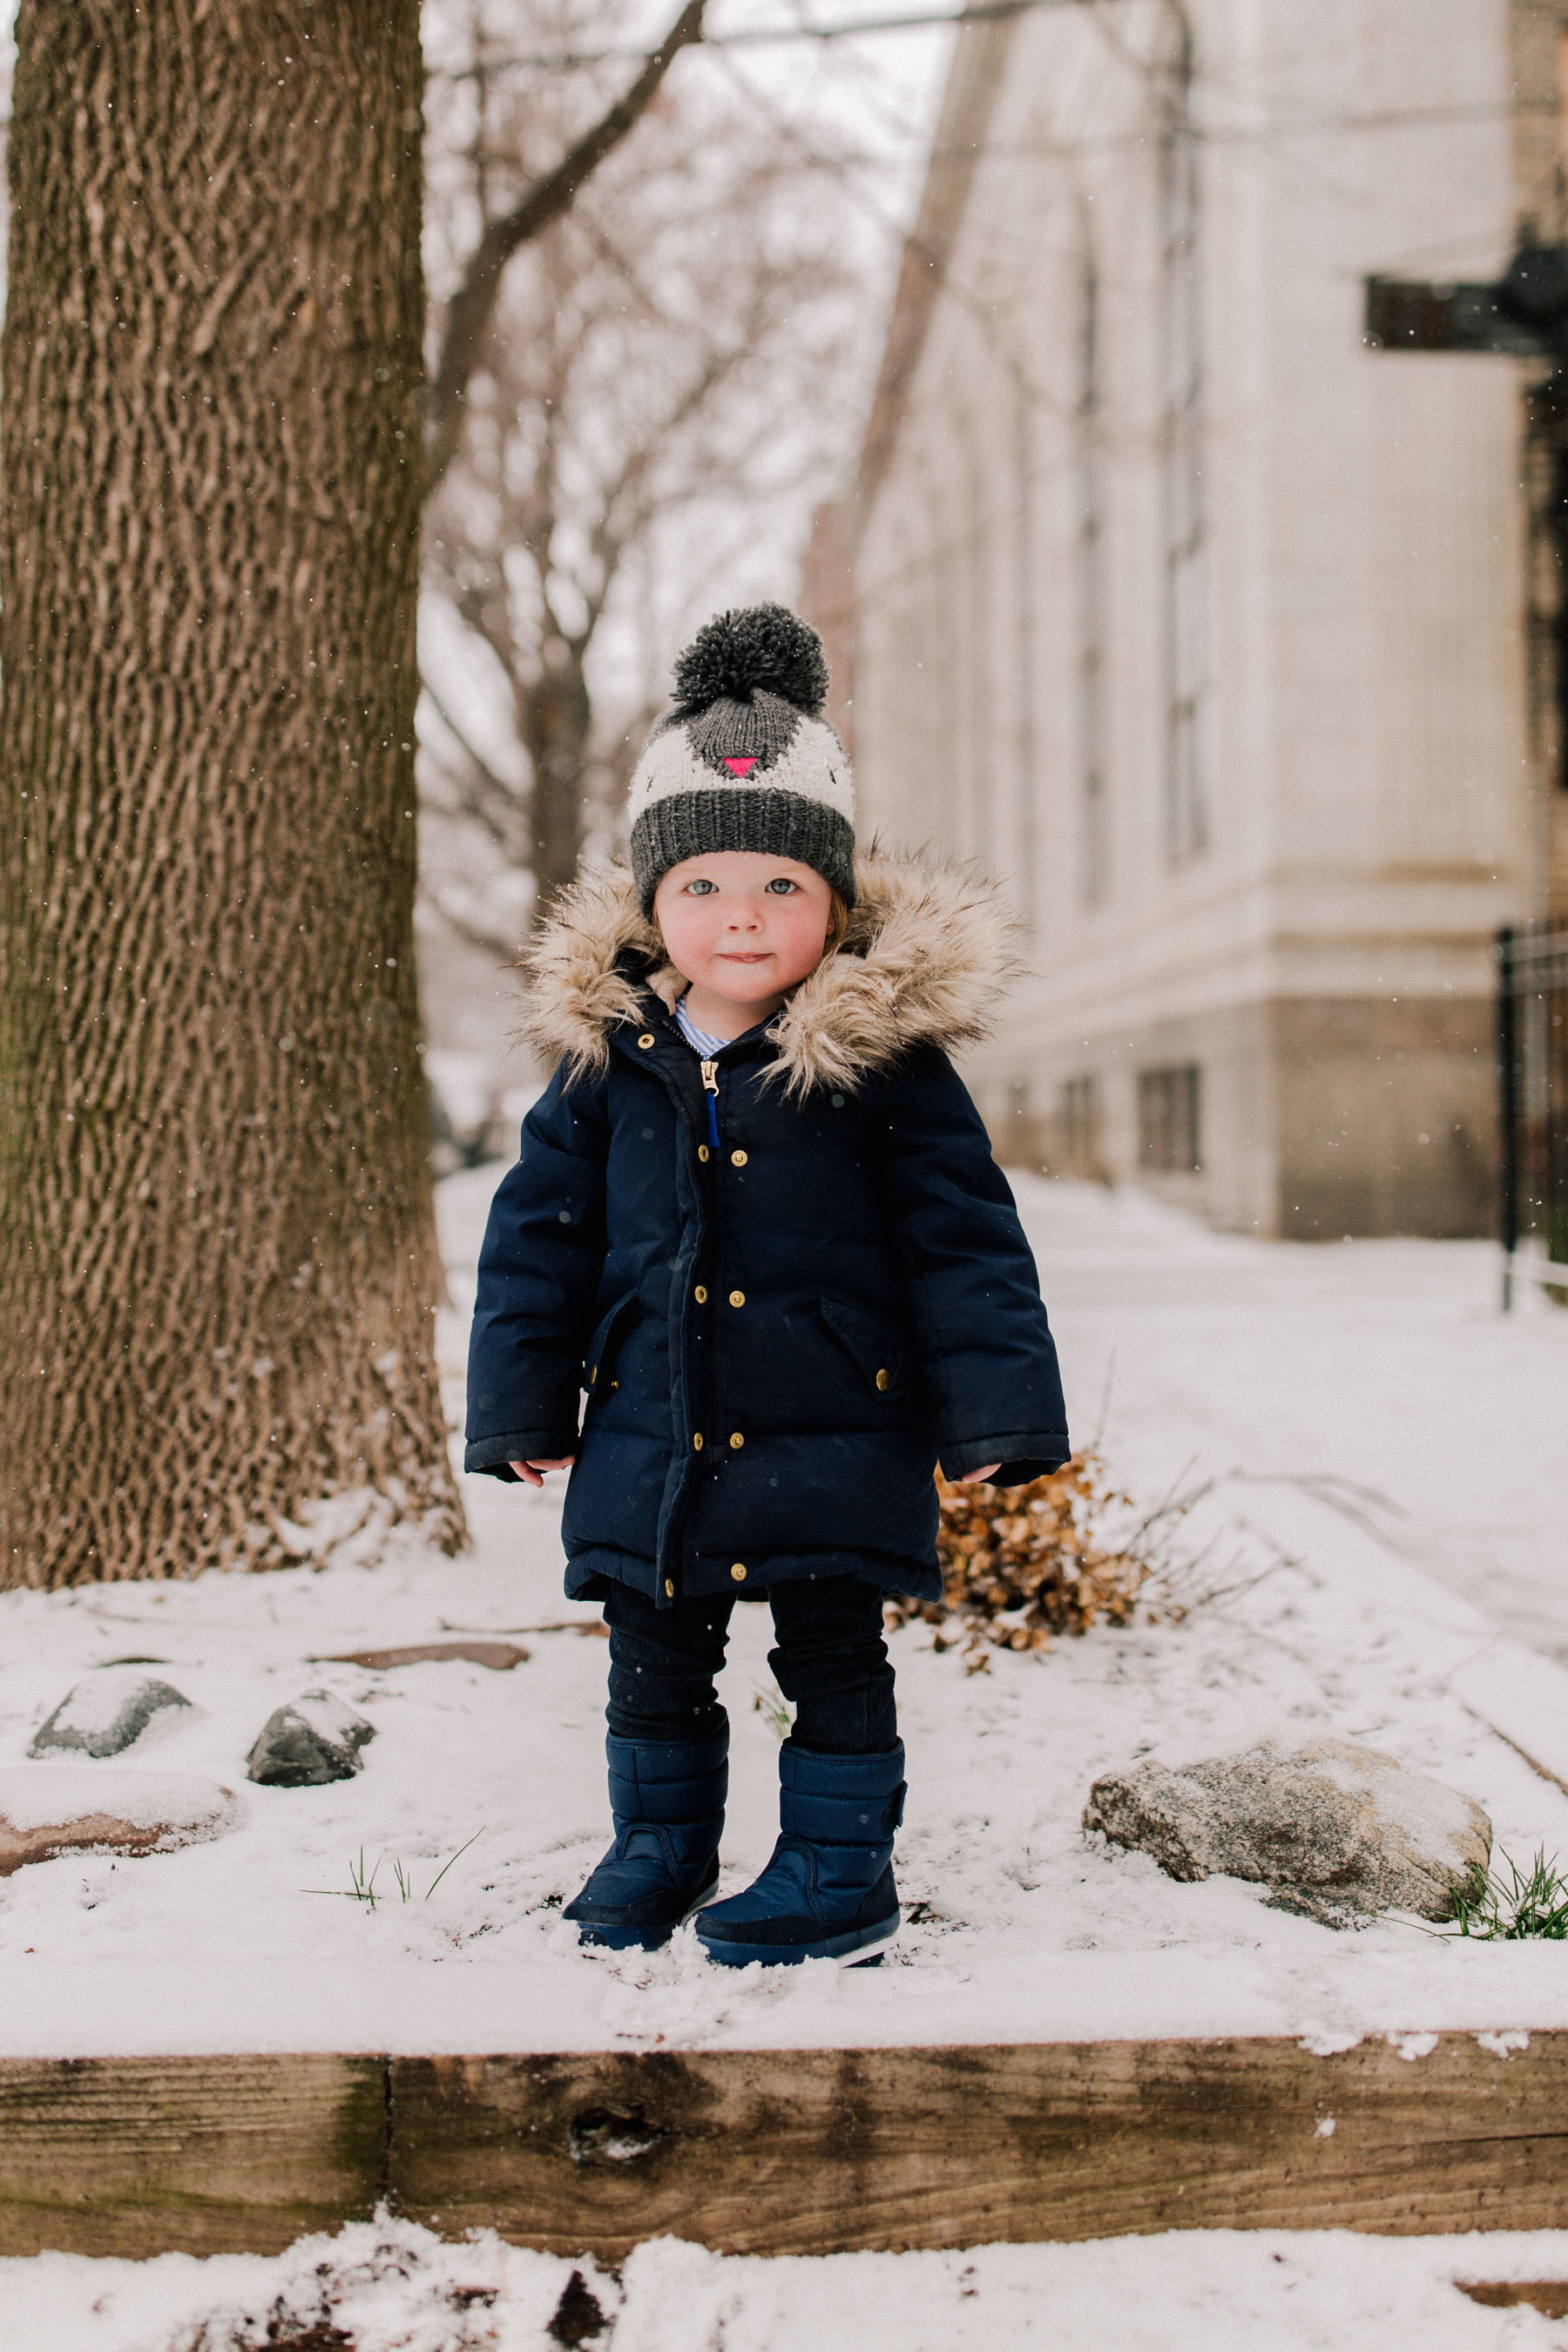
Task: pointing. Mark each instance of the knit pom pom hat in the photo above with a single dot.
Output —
(745, 759)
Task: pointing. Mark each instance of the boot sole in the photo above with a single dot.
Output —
(608, 1938)
(859, 1948)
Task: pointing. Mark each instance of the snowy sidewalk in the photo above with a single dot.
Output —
(1428, 1434)
(1385, 1366)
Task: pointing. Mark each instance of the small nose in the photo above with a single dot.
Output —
(741, 767)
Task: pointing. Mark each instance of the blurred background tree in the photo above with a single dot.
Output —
(668, 377)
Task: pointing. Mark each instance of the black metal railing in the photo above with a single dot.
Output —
(1532, 1104)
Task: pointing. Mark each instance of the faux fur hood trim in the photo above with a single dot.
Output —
(929, 949)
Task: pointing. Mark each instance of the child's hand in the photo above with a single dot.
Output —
(530, 1472)
(970, 1477)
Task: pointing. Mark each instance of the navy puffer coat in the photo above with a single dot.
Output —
(778, 1337)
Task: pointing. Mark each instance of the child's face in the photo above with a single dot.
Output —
(742, 926)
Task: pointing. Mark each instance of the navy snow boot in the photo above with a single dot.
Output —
(827, 1894)
(667, 1800)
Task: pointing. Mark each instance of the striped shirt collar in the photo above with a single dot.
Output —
(698, 1039)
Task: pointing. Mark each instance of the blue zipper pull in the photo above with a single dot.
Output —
(711, 1088)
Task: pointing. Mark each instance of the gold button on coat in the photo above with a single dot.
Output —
(645, 1040)
(669, 1586)
(737, 1159)
(703, 1152)
(593, 1374)
(700, 1294)
(884, 1379)
(738, 1571)
(697, 1439)
(736, 1440)
(737, 1298)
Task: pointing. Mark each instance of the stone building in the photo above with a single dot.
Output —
(1204, 625)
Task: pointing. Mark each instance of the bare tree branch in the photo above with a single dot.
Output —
(467, 798)
(665, 347)
(469, 313)
(504, 945)
(484, 609)
(480, 792)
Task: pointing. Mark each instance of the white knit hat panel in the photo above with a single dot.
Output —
(816, 765)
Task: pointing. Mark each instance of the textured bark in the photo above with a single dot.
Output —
(217, 1261)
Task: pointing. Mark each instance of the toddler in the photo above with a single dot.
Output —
(756, 1219)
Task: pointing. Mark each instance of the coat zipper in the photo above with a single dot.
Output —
(711, 1088)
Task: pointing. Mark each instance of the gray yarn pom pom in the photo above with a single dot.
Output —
(763, 647)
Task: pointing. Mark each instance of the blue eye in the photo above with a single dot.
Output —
(701, 888)
(782, 886)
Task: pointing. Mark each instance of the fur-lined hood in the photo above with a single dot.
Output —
(929, 951)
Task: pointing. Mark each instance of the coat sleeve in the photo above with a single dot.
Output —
(988, 1356)
(538, 1274)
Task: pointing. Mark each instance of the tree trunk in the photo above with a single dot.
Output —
(557, 718)
(217, 1264)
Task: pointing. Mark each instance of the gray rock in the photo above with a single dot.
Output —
(316, 1739)
(1336, 1829)
(104, 1714)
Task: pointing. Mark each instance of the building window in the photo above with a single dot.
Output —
(1018, 1144)
(1079, 1128)
(1170, 1121)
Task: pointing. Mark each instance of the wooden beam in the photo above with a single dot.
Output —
(787, 2151)
(820, 2151)
(198, 2156)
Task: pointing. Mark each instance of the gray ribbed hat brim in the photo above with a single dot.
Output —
(742, 817)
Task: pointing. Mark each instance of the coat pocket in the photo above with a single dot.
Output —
(601, 1346)
(875, 1345)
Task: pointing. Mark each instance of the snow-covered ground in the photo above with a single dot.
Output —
(1387, 1365)
(1372, 1426)
(1427, 1432)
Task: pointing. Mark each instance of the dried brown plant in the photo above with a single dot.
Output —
(1023, 1564)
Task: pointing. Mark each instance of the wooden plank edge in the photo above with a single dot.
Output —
(789, 2151)
(231, 2153)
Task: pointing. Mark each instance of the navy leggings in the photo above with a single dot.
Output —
(831, 1661)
